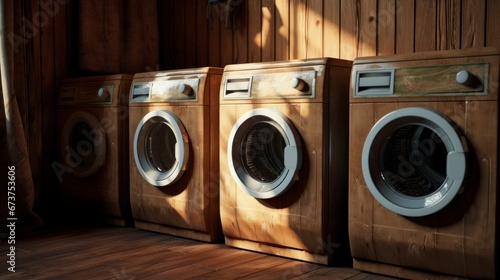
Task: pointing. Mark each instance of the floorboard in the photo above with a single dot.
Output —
(105, 252)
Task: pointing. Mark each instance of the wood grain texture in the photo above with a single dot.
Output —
(254, 31)
(70, 252)
(386, 27)
(473, 23)
(425, 25)
(349, 36)
(492, 21)
(331, 29)
(268, 30)
(448, 24)
(282, 32)
(405, 26)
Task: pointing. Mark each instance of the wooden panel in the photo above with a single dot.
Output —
(473, 12)
(297, 29)
(367, 45)
(314, 29)
(386, 27)
(405, 26)
(492, 23)
(282, 31)
(201, 34)
(448, 24)
(240, 34)
(213, 40)
(179, 32)
(349, 30)
(226, 45)
(190, 32)
(331, 29)
(268, 28)
(254, 31)
(425, 25)
(166, 33)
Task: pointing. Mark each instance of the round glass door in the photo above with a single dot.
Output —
(264, 153)
(83, 144)
(414, 161)
(161, 148)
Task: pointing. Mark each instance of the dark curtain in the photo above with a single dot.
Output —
(118, 36)
(15, 171)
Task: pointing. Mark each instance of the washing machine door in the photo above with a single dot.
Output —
(83, 144)
(161, 148)
(414, 161)
(264, 153)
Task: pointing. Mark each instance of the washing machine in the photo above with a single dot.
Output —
(424, 164)
(91, 167)
(283, 158)
(174, 163)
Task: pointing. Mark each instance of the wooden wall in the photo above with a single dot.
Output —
(266, 30)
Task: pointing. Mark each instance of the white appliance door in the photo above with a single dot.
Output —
(414, 161)
(161, 148)
(264, 153)
(83, 144)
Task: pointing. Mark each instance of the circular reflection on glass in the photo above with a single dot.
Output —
(413, 161)
(81, 142)
(262, 151)
(160, 146)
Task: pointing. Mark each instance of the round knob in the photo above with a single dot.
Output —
(298, 83)
(185, 89)
(103, 93)
(465, 78)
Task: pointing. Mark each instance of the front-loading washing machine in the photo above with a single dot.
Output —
(424, 164)
(174, 162)
(283, 160)
(91, 166)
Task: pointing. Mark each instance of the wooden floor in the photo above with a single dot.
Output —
(127, 253)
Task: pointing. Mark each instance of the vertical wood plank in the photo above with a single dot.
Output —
(226, 45)
(331, 29)
(492, 23)
(314, 31)
(166, 33)
(386, 27)
(405, 26)
(191, 32)
(425, 25)
(448, 24)
(241, 35)
(179, 40)
(221, 13)
(254, 31)
(282, 29)
(201, 34)
(473, 21)
(214, 40)
(268, 27)
(349, 30)
(297, 29)
(61, 40)
(367, 11)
